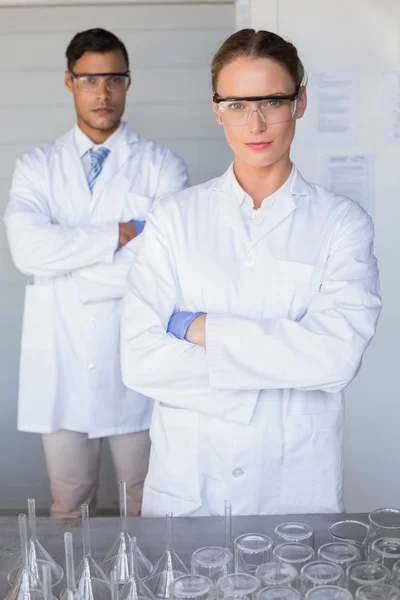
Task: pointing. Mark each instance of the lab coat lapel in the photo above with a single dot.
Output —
(282, 206)
(69, 176)
(277, 213)
(119, 154)
(229, 208)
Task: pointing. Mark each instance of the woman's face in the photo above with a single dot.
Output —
(258, 144)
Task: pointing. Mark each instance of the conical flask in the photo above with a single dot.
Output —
(134, 588)
(167, 568)
(117, 559)
(26, 586)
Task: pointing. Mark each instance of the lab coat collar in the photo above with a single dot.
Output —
(298, 185)
(125, 132)
(84, 143)
(229, 207)
(241, 195)
(230, 211)
(120, 153)
(122, 148)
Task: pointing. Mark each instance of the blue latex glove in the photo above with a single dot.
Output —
(180, 321)
(138, 224)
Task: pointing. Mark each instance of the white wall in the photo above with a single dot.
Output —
(366, 36)
(170, 48)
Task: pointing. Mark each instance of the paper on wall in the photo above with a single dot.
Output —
(351, 176)
(334, 106)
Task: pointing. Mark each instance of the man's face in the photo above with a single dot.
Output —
(98, 108)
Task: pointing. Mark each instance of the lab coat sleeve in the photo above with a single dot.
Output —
(107, 281)
(154, 362)
(41, 247)
(324, 349)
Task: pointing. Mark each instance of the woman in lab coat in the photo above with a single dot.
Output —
(248, 309)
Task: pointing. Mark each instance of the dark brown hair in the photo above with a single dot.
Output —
(250, 43)
(94, 40)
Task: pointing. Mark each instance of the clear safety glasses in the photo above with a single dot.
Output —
(90, 82)
(271, 109)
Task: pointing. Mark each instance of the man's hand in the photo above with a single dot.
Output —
(139, 225)
(196, 332)
(127, 231)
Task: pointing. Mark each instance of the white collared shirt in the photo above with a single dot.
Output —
(85, 144)
(252, 217)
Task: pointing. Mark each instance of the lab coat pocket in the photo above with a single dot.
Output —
(297, 283)
(38, 324)
(173, 469)
(134, 206)
(311, 477)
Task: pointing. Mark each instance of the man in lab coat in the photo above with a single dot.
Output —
(77, 207)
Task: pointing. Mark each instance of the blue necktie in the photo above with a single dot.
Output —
(97, 158)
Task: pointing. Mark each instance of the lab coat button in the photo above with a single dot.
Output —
(237, 472)
(91, 366)
(249, 261)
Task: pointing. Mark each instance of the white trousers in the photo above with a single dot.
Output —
(73, 466)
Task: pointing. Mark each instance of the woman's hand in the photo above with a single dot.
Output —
(196, 332)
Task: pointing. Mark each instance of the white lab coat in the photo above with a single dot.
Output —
(257, 417)
(66, 239)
